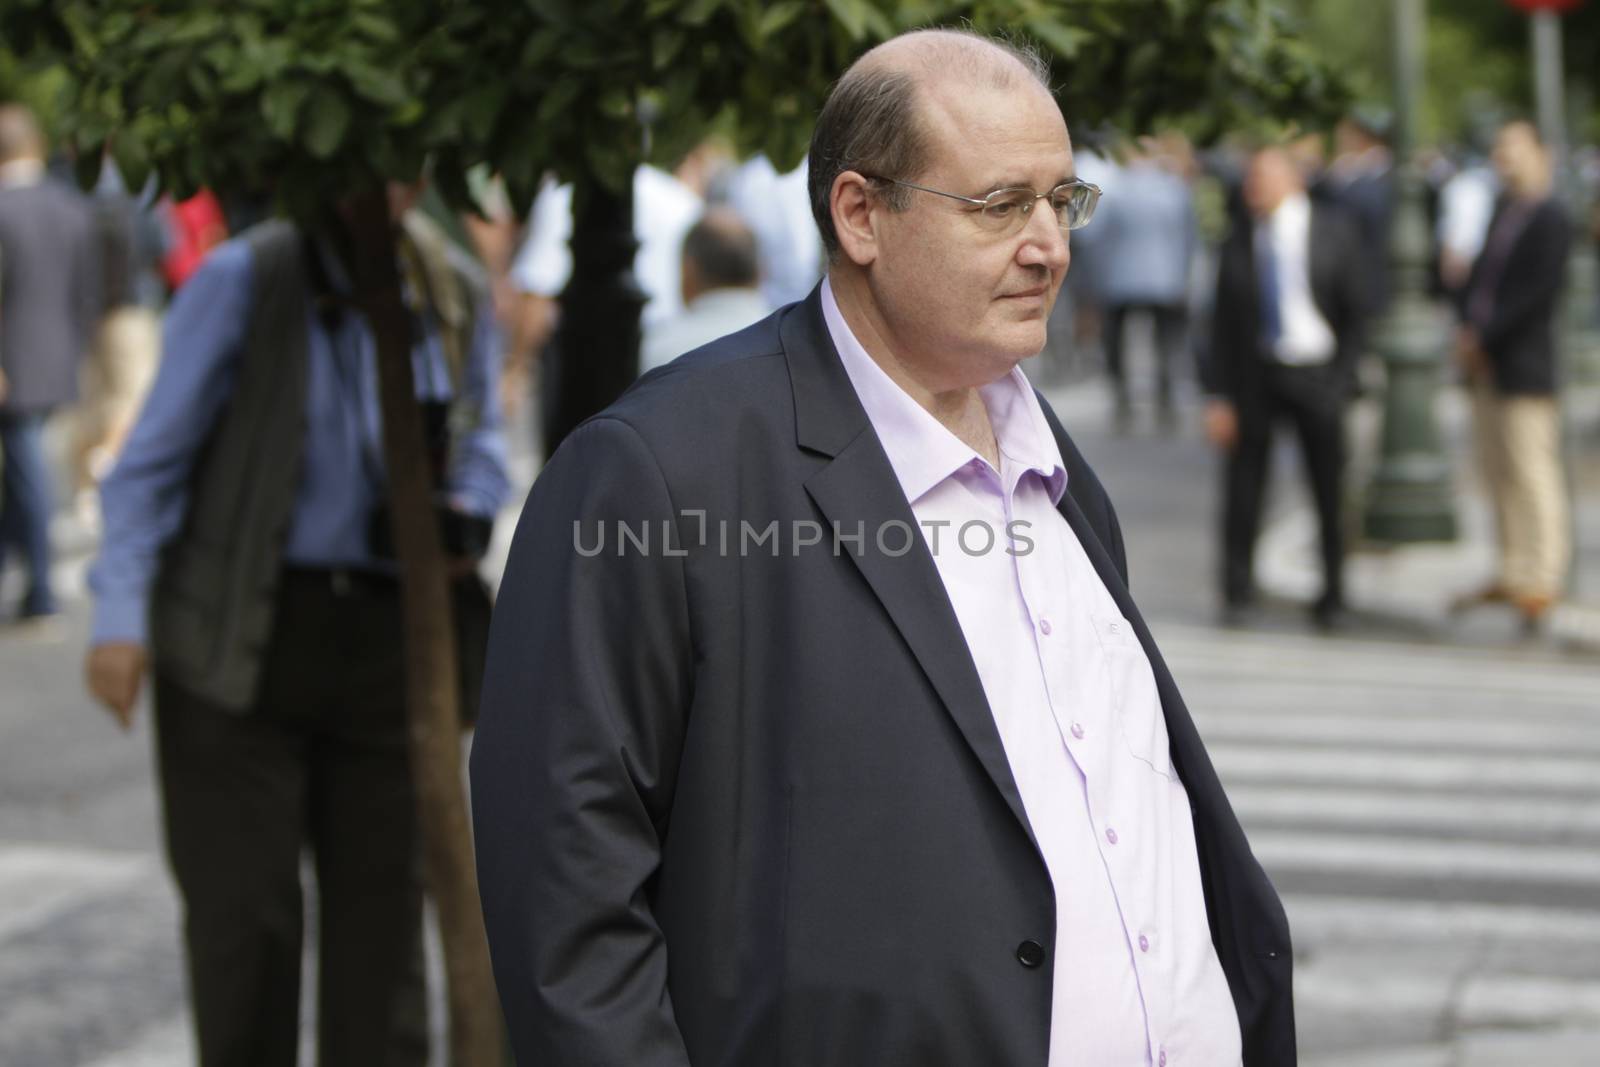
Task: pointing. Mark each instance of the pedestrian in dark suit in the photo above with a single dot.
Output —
(1507, 349)
(1287, 330)
(820, 727)
(1360, 179)
(47, 308)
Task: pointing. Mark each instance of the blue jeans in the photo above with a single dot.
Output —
(25, 504)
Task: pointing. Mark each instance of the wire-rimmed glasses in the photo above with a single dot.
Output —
(1005, 212)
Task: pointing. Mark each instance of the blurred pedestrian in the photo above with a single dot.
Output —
(1360, 178)
(664, 207)
(778, 209)
(1287, 329)
(720, 282)
(48, 303)
(1145, 241)
(247, 522)
(1466, 203)
(129, 243)
(1507, 349)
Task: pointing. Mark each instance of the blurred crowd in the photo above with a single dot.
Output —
(722, 242)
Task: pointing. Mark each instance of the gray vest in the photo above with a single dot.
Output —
(211, 612)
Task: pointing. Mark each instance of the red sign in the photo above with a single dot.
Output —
(1558, 6)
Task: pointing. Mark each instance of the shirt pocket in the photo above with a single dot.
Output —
(1131, 685)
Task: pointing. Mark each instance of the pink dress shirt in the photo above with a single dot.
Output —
(1136, 979)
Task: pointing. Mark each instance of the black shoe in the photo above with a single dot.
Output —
(1330, 616)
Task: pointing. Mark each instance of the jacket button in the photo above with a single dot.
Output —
(1030, 953)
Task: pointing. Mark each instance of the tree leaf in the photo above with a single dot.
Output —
(665, 46)
(851, 14)
(1063, 40)
(280, 106)
(133, 162)
(700, 11)
(778, 16)
(540, 47)
(327, 119)
(382, 87)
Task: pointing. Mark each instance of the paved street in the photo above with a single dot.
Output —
(1426, 799)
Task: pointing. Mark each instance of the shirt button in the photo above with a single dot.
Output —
(1045, 627)
(1077, 730)
(1030, 954)
(1144, 943)
(1161, 1060)
(1111, 835)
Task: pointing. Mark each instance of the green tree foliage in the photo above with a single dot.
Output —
(306, 98)
(1477, 56)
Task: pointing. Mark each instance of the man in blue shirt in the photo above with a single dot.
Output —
(245, 550)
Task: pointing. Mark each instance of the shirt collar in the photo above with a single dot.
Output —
(1294, 212)
(922, 451)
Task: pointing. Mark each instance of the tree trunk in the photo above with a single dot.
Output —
(597, 343)
(430, 650)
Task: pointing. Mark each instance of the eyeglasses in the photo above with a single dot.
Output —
(1005, 212)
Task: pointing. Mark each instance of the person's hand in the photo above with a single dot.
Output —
(1222, 424)
(114, 672)
(4, 387)
(1469, 353)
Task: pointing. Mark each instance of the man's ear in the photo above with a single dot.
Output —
(852, 204)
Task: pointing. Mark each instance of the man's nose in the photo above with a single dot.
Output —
(1044, 241)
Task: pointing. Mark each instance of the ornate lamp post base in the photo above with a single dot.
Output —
(1410, 497)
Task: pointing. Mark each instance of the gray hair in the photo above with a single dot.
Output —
(870, 122)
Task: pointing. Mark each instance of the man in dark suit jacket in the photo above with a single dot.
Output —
(782, 760)
(47, 305)
(1507, 348)
(1287, 330)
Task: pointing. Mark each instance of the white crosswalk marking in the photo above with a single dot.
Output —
(1431, 817)
(90, 963)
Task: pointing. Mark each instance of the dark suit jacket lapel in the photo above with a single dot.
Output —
(858, 488)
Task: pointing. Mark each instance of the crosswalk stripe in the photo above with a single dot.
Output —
(1247, 660)
(1357, 767)
(1319, 918)
(39, 880)
(1432, 732)
(1423, 857)
(1479, 1000)
(1575, 822)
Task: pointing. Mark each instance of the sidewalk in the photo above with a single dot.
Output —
(1414, 585)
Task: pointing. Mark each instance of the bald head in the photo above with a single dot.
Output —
(945, 56)
(19, 134)
(872, 122)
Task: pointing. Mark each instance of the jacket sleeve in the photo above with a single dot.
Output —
(585, 696)
(146, 496)
(1216, 357)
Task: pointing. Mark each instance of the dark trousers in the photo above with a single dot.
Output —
(1312, 400)
(1169, 320)
(25, 504)
(320, 765)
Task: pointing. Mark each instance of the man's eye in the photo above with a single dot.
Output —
(1001, 209)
